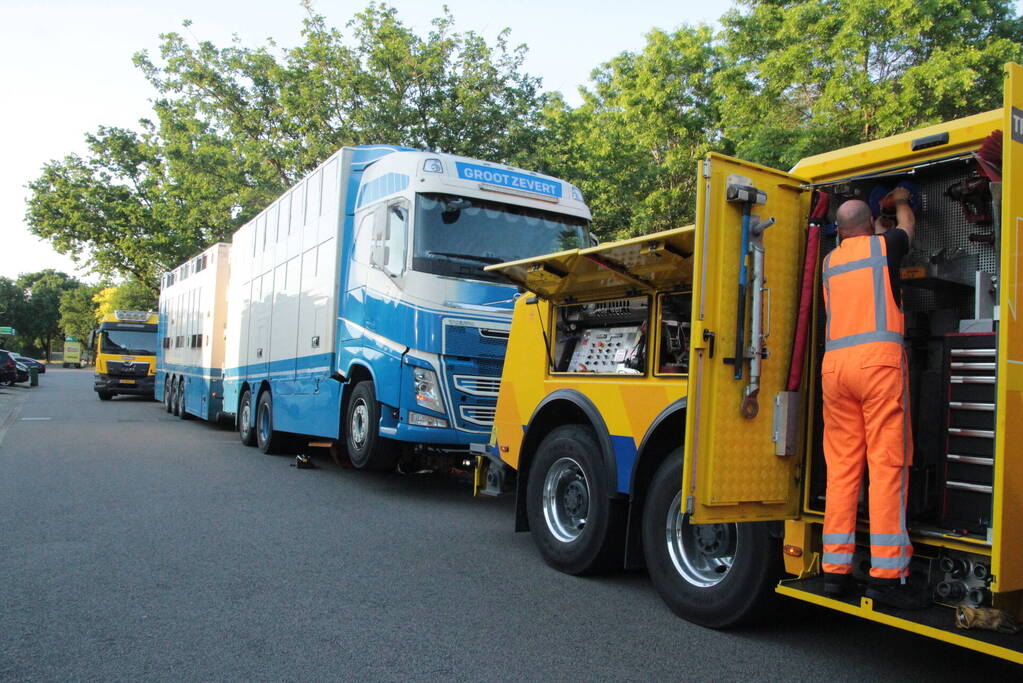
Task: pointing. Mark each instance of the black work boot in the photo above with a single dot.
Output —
(838, 585)
(893, 593)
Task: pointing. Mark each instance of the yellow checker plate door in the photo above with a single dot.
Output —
(731, 472)
(1007, 559)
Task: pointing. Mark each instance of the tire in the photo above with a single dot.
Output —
(245, 430)
(267, 440)
(715, 575)
(104, 395)
(180, 396)
(168, 396)
(576, 526)
(367, 450)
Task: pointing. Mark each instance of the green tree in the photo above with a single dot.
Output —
(13, 309)
(78, 310)
(43, 291)
(807, 76)
(234, 126)
(128, 296)
(632, 145)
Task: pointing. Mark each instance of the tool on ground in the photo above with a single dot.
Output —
(741, 191)
(757, 334)
(988, 618)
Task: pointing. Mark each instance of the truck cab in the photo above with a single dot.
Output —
(125, 350)
(726, 507)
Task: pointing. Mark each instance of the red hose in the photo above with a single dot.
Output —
(802, 335)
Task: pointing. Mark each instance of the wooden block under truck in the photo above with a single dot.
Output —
(637, 438)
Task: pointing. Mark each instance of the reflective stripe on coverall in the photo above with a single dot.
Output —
(866, 409)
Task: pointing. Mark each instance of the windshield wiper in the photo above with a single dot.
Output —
(466, 257)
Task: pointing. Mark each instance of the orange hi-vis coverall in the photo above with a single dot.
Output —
(866, 409)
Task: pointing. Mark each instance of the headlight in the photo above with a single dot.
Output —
(427, 389)
(421, 420)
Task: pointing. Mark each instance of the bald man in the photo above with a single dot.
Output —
(866, 402)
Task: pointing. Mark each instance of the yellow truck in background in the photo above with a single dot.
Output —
(124, 347)
(72, 353)
(660, 402)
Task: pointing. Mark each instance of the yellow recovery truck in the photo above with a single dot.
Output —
(125, 350)
(654, 415)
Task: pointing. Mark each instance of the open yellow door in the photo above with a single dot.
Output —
(1007, 561)
(731, 472)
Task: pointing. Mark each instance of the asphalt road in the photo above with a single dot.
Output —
(134, 545)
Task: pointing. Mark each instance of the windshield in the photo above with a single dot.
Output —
(128, 342)
(459, 236)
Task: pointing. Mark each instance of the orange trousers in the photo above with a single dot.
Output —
(866, 424)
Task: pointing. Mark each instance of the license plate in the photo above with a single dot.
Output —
(127, 381)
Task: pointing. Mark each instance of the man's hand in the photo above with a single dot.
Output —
(899, 195)
(903, 210)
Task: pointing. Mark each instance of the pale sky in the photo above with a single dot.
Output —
(66, 65)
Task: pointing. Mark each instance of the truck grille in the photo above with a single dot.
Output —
(127, 368)
(478, 386)
(479, 415)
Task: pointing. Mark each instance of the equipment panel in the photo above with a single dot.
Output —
(602, 337)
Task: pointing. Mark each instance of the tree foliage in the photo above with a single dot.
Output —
(234, 126)
(38, 324)
(808, 76)
(633, 143)
(128, 296)
(78, 310)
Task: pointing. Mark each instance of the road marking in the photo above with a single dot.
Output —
(26, 419)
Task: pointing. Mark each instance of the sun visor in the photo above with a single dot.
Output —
(657, 262)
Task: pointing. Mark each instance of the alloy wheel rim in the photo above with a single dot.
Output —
(360, 423)
(246, 414)
(264, 422)
(566, 499)
(702, 554)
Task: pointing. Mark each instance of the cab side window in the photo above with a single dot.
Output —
(397, 231)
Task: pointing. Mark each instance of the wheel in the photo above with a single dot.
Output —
(367, 450)
(180, 396)
(245, 431)
(574, 522)
(268, 441)
(104, 395)
(715, 575)
(168, 396)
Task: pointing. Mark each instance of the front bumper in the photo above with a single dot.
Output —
(115, 384)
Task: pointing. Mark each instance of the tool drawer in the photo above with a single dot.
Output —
(970, 361)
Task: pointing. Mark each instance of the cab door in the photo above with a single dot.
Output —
(731, 472)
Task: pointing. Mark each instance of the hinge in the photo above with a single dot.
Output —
(690, 505)
(706, 168)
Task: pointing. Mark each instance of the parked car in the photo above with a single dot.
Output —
(8, 369)
(30, 363)
(22, 372)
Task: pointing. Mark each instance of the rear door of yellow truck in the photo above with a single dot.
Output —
(1007, 515)
(731, 472)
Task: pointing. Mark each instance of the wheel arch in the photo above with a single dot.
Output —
(665, 434)
(560, 407)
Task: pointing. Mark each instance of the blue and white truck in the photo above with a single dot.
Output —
(358, 310)
(190, 335)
